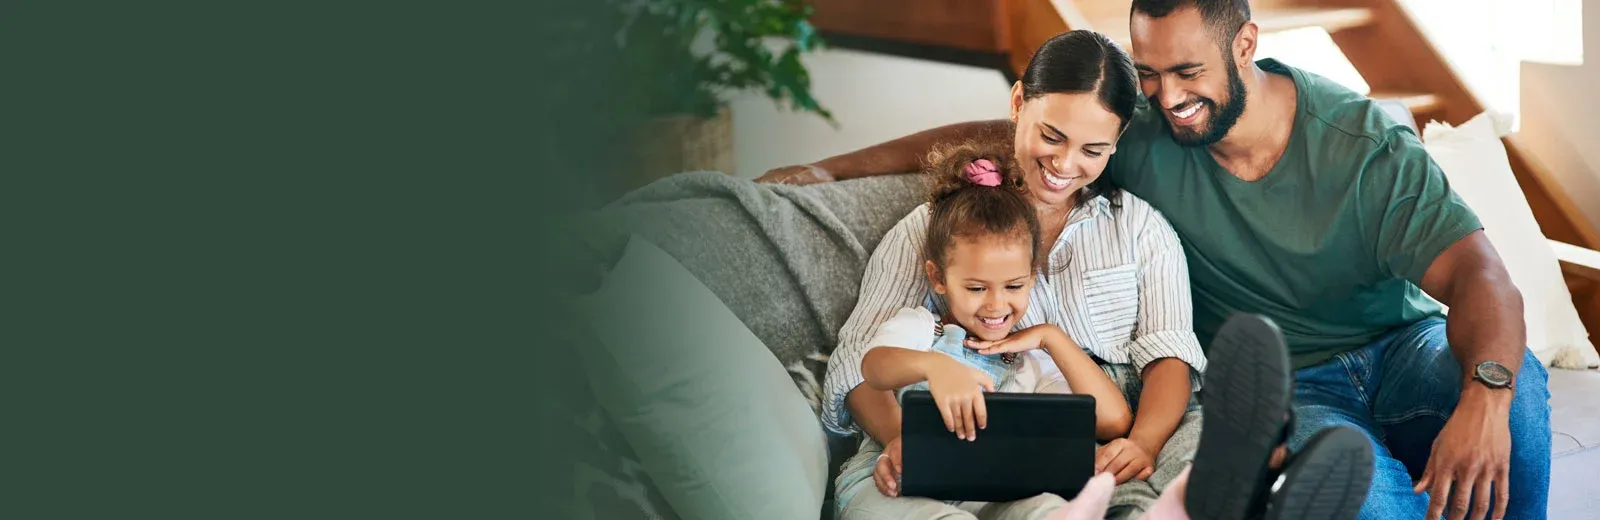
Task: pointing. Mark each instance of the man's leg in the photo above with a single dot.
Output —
(1334, 393)
(1419, 387)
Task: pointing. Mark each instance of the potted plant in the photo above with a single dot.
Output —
(688, 55)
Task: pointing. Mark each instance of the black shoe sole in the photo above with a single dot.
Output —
(1246, 406)
(1328, 480)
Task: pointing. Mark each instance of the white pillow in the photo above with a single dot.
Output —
(1474, 160)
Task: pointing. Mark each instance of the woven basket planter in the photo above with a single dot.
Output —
(674, 144)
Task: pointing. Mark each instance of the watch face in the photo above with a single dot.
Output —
(1494, 373)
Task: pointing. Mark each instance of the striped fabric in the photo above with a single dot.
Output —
(1116, 282)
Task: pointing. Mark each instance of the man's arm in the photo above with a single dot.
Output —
(1485, 309)
(1421, 231)
(1472, 454)
(901, 155)
(1426, 234)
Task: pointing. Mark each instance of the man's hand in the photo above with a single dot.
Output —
(1125, 459)
(958, 390)
(1471, 459)
(799, 174)
(887, 474)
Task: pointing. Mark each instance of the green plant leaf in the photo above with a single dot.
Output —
(660, 37)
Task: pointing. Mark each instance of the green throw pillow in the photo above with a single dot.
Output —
(715, 420)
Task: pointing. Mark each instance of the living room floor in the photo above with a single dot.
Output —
(1575, 448)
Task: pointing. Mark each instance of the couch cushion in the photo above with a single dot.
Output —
(712, 415)
(1474, 161)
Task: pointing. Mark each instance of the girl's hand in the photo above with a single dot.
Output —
(887, 474)
(1022, 341)
(958, 390)
(1125, 459)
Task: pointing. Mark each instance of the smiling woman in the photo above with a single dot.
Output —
(1114, 281)
(1070, 105)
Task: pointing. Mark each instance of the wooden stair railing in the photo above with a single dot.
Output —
(1379, 38)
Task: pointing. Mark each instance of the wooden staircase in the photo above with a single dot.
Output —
(1378, 37)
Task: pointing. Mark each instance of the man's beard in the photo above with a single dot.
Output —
(1222, 118)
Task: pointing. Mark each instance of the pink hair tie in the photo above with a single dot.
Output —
(983, 172)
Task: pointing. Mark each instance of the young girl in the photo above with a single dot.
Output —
(980, 256)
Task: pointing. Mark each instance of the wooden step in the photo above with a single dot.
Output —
(1417, 102)
(1577, 261)
(1271, 19)
(1330, 19)
(966, 25)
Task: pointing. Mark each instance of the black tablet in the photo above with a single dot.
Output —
(1034, 443)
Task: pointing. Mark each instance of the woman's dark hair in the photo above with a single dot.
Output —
(1081, 61)
(961, 208)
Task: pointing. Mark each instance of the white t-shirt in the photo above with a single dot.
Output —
(917, 328)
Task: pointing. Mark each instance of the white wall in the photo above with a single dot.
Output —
(1561, 119)
(874, 97)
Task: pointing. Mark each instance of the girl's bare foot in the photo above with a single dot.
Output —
(1170, 505)
(1091, 502)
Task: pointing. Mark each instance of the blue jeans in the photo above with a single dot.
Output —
(1400, 390)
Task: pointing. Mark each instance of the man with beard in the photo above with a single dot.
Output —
(1301, 200)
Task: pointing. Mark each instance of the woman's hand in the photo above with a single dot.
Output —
(887, 474)
(1125, 459)
(958, 390)
(1022, 341)
(798, 174)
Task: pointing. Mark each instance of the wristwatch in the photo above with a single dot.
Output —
(1492, 375)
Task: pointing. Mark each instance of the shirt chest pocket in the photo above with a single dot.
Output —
(1112, 295)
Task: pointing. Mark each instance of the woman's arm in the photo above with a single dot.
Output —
(1161, 404)
(875, 412)
(1112, 416)
(1164, 348)
(903, 155)
(893, 281)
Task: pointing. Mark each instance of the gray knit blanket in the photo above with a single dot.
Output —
(787, 260)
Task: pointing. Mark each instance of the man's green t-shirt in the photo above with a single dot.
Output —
(1331, 244)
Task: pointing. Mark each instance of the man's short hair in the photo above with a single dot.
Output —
(1222, 17)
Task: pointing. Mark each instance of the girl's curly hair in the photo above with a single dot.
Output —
(961, 208)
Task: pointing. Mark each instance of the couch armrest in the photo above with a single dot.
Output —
(1577, 261)
(1581, 269)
